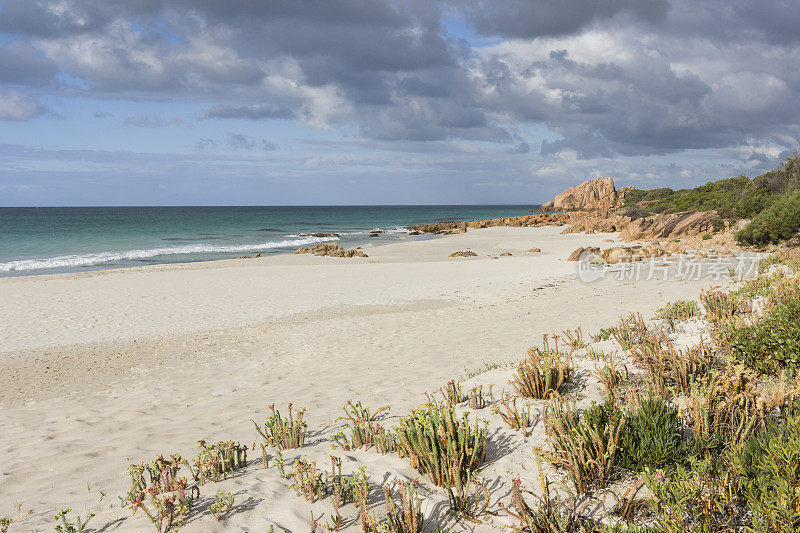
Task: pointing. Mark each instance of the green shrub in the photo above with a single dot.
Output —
(707, 237)
(696, 499)
(779, 222)
(773, 342)
(652, 437)
(768, 469)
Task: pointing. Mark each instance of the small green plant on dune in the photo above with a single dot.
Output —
(541, 373)
(610, 375)
(553, 514)
(405, 518)
(515, 418)
(216, 461)
(283, 433)
(436, 441)
(675, 312)
(631, 331)
(468, 497)
(159, 493)
(721, 305)
(585, 445)
(652, 436)
(5, 522)
(479, 400)
(452, 393)
(66, 525)
(223, 502)
(365, 431)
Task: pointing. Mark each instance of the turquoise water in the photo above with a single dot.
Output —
(37, 240)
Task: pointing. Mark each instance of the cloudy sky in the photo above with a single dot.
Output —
(165, 102)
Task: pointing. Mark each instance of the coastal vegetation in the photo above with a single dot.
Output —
(770, 201)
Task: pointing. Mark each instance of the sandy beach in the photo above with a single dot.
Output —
(106, 368)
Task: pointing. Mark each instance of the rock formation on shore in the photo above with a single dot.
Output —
(330, 249)
(597, 195)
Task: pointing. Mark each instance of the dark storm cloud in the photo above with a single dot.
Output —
(21, 63)
(536, 18)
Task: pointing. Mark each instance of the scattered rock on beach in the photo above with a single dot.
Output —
(533, 250)
(414, 233)
(465, 253)
(505, 254)
(330, 249)
(249, 257)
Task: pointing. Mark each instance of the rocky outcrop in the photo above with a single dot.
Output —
(597, 195)
(670, 226)
(465, 253)
(617, 254)
(330, 249)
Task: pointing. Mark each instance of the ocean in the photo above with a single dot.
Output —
(39, 240)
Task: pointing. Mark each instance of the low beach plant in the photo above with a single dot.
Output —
(365, 431)
(66, 525)
(159, 493)
(541, 373)
(5, 522)
(452, 393)
(477, 400)
(652, 436)
(574, 338)
(631, 331)
(283, 433)
(721, 305)
(585, 445)
(553, 514)
(216, 461)
(773, 342)
(515, 418)
(768, 475)
(695, 498)
(789, 258)
(610, 375)
(439, 444)
(468, 497)
(732, 407)
(223, 502)
(671, 367)
(308, 481)
(675, 312)
(405, 518)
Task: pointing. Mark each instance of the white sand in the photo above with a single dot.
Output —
(103, 369)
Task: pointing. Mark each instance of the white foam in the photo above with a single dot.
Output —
(98, 258)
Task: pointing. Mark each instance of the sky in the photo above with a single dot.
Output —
(308, 102)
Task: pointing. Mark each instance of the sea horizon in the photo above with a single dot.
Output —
(50, 239)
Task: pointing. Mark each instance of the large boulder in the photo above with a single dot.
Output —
(598, 195)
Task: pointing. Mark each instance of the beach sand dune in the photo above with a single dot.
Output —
(104, 369)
